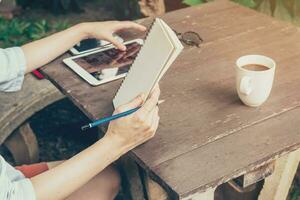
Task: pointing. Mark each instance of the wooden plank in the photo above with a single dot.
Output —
(222, 160)
(277, 186)
(258, 174)
(249, 180)
(209, 194)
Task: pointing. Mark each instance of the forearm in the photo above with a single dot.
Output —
(40, 52)
(61, 181)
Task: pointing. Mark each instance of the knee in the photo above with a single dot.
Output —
(104, 186)
(115, 180)
(112, 181)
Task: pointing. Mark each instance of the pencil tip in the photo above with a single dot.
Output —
(84, 128)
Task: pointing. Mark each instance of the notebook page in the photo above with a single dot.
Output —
(176, 42)
(148, 66)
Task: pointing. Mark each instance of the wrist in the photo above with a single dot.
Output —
(84, 30)
(117, 143)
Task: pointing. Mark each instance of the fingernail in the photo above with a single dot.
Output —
(160, 101)
(142, 97)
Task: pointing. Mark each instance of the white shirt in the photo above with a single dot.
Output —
(13, 184)
(12, 69)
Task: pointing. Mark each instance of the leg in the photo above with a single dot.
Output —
(277, 186)
(104, 186)
(23, 145)
(132, 185)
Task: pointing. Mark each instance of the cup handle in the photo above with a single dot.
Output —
(245, 85)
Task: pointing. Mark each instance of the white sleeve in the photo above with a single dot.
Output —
(12, 69)
(14, 189)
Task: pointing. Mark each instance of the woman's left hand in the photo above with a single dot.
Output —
(106, 30)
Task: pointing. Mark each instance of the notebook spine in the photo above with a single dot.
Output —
(145, 39)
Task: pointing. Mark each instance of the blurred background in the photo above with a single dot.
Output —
(22, 21)
(25, 20)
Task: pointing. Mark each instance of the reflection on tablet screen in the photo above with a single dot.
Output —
(109, 63)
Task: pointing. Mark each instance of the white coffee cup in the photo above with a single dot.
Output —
(254, 87)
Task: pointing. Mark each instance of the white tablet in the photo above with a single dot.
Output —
(105, 65)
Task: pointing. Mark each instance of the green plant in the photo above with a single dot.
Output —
(123, 9)
(248, 3)
(16, 32)
(56, 6)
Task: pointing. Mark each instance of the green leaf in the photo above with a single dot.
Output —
(247, 3)
(193, 2)
(16, 32)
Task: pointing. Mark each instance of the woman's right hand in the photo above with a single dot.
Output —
(138, 127)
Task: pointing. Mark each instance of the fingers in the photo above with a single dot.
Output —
(136, 102)
(154, 121)
(153, 114)
(151, 103)
(156, 87)
(115, 42)
(155, 124)
(129, 25)
(148, 107)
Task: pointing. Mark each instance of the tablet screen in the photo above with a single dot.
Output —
(109, 63)
(87, 44)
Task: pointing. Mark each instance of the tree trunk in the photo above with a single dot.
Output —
(152, 7)
(7, 8)
(288, 10)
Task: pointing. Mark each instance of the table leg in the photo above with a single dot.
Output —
(277, 185)
(131, 181)
(23, 145)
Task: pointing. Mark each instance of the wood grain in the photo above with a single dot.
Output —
(231, 156)
(17, 107)
(203, 123)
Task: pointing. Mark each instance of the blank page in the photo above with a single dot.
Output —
(148, 65)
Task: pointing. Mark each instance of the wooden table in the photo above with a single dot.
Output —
(206, 135)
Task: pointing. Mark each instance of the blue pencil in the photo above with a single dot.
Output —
(108, 119)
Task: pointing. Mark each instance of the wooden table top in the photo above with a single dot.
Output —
(206, 135)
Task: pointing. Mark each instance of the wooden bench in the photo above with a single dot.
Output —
(16, 108)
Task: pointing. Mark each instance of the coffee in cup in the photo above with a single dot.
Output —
(254, 79)
(255, 67)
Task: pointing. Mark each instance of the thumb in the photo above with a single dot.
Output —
(116, 42)
(136, 102)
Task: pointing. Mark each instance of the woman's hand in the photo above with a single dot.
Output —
(41, 52)
(136, 128)
(106, 30)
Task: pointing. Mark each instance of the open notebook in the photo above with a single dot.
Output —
(160, 49)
